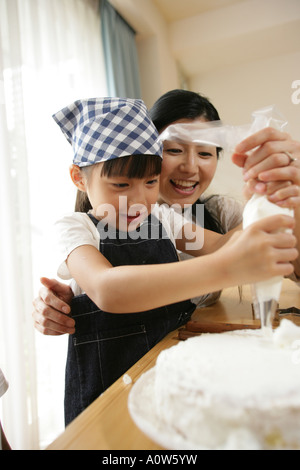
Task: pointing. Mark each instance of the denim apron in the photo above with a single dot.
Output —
(105, 345)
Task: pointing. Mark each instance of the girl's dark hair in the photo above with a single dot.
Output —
(132, 166)
(183, 104)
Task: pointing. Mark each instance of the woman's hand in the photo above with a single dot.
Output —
(51, 308)
(272, 167)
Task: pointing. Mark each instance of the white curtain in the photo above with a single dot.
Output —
(50, 55)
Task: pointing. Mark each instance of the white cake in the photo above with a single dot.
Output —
(237, 390)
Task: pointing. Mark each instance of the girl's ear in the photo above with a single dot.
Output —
(78, 177)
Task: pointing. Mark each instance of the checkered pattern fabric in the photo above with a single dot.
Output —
(101, 129)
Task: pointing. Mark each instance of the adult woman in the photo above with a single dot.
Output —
(187, 171)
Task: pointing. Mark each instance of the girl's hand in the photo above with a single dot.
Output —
(52, 307)
(261, 251)
(268, 169)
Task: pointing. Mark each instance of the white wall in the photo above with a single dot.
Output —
(239, 90)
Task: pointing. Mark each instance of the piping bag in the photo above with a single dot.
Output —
(266, 293)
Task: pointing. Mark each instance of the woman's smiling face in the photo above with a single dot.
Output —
(187, 170)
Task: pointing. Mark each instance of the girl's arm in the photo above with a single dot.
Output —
(197, 241)
(252, 255)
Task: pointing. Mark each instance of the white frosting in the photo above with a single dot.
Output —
(231, 390)
(257, 208)
(287, 336)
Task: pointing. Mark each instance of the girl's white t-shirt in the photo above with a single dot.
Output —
(77, 229)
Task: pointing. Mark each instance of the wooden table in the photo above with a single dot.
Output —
(106, 423)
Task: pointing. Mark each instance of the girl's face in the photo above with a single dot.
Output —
(187, 170)
(121, 201)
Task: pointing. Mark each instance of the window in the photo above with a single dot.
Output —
(52, 55)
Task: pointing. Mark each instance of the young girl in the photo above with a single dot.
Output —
(221, 213)
(122, 253)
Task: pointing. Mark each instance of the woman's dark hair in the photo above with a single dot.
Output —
(133, 166)
(183, 104)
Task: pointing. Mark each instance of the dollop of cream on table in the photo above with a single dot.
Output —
(127, 379)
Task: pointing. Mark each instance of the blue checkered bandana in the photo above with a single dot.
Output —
(101, 129)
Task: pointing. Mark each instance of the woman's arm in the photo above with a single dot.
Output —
(51, 308)
(255, 254)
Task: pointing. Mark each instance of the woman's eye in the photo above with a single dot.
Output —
(205, 154)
